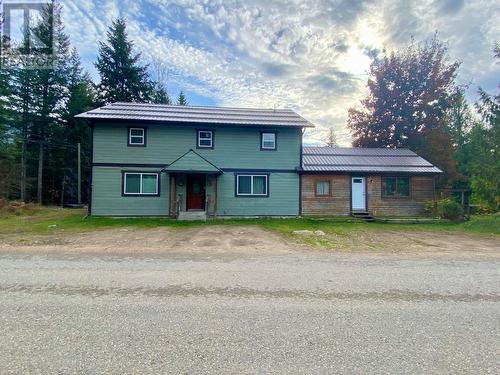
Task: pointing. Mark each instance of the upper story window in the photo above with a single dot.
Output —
(396, 187)
(137, 137)
(138, 183)
(268, 141)
(252, 185)
(205, 139)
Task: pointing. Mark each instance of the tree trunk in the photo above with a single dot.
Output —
(23, 170)
(40, 173)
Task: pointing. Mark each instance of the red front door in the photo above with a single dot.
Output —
(195, 192)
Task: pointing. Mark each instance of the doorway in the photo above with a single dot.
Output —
(195, 184)
(358, 193)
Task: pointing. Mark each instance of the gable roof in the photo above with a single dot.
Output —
(192, 162)
(382, 160)
(197, 114)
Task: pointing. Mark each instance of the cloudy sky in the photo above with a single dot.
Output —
(308, 55)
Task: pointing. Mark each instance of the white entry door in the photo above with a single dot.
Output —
(358, 188)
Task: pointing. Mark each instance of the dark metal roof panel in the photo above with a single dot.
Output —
(370, 169)
(329, 159)
(353, 151)
(194, 114)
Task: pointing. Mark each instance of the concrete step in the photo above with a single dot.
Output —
(192, 215)
(366, 216)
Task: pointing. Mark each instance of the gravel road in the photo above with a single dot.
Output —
(290, 313)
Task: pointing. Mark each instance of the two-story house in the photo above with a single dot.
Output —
(186, 161)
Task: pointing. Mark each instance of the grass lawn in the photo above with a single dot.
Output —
(49, 220)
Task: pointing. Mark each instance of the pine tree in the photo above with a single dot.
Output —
(182, 99)
(160, 74)
(160, 95)
(123, 78)
(81, 98)
(50, 88)
(331, 138)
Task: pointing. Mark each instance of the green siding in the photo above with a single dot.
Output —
(283, 197)
(107, 196)
(192, 162)
(236, 147)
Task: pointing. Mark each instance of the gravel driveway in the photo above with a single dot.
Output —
(279, 312)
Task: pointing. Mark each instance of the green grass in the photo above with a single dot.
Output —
(48, 220)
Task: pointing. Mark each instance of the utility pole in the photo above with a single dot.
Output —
(79, 175)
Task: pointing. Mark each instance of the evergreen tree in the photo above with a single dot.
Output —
(484, 164)
(160, 95)
(331, 138)
(160, 74)
(181, 100)
(50, 86)
(409, 94)
(81, 98)
(123, 78)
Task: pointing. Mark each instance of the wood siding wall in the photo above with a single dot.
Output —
(337, 204)
(339, 201)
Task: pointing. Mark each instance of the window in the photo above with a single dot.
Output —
(268, 141)
(136, 137)
(140, 183)
(396, 187)
(322, 188)
(252, 185)
(205, 139)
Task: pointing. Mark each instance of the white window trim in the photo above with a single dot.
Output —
(251, 185)
(205, 139)
(262, 141)
(140, 184)
(130, 136)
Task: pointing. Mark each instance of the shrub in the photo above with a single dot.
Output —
(445, 209)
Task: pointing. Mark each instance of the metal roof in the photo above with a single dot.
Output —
(383, 160)
(196, 114)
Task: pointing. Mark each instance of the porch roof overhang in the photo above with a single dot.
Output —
(192, 162)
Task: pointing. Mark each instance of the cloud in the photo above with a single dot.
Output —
(309, 55)
(448, 7)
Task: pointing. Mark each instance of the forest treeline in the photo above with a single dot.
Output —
(413, 101)
(38, 131)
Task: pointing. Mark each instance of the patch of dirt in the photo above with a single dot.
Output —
(255, 241)
(418, 243)
(244, 240)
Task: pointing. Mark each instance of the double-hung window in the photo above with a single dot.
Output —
(138, 183)
(205, 139)
(396, 187)
(268, 141)
(252, 185)
(137, 136)
(322, 188)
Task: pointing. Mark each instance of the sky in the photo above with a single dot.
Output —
(308, 55)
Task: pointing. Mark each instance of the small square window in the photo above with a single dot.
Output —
(136, 136)
(268, 141)
(323, 188)
(205, 139)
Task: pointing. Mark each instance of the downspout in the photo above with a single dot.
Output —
(300, 169)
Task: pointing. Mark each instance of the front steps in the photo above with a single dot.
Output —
(198, 215)
(365, 216)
